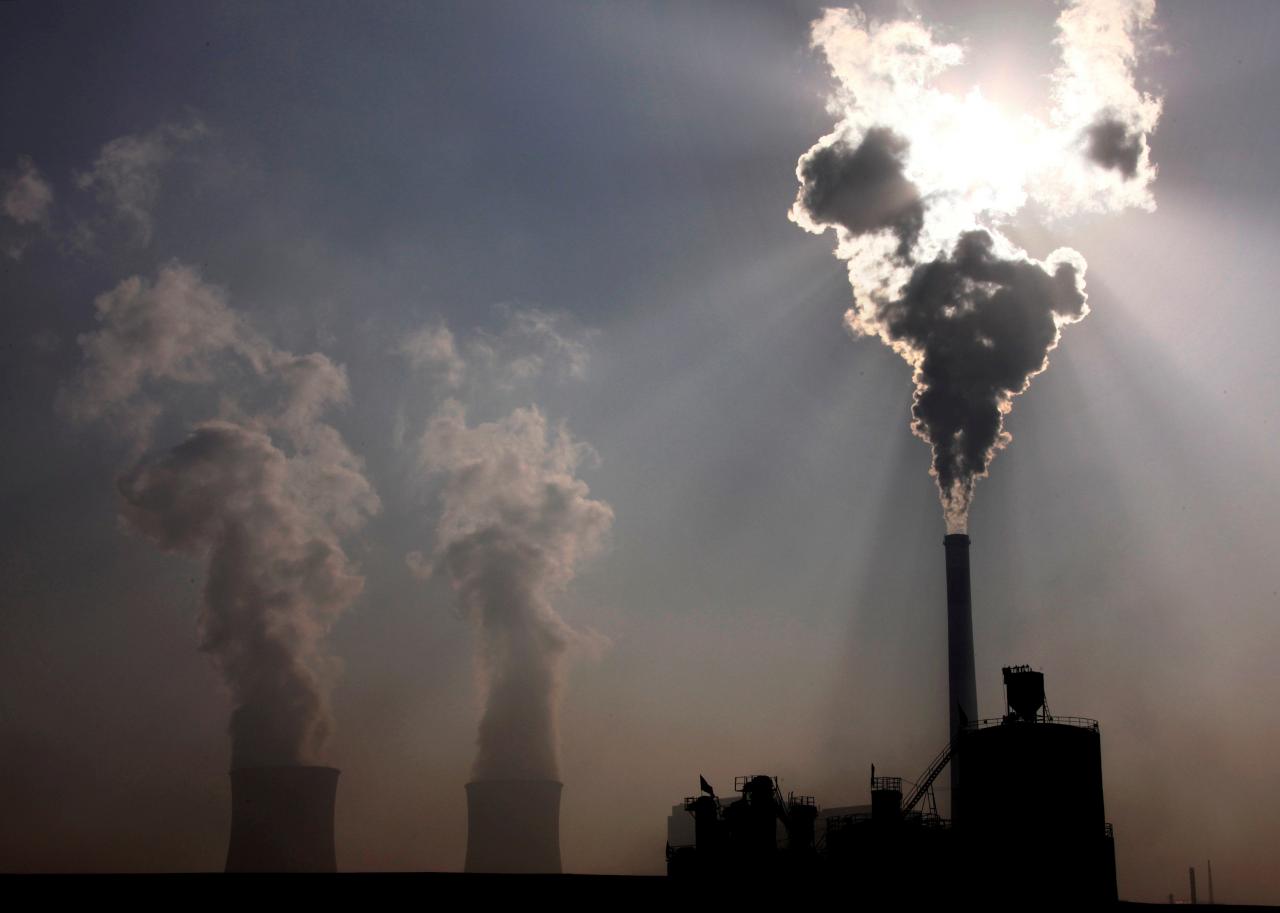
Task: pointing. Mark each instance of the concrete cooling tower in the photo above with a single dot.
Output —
(513, 826)
(282, 819)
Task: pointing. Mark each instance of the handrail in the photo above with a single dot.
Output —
(1078, 721)
(930, 774)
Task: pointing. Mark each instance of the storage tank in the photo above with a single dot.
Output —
(1031, 811)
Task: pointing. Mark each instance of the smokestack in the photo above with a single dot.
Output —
(282, 819)
(962, 688)
(513, 826)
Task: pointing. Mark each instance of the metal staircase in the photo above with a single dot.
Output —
(925, 784)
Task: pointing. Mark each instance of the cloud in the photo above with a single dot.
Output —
(27, 195)
(516, 524)
(262, 493)
(26, 199)
(125, 177)
(433, 348)
(171, 329)
(530, 344)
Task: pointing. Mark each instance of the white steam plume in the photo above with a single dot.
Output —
(125, 176)
(917, 182)
(26, 195)
(515, 526)
(263, 492)
(26, 199)
(516, 522)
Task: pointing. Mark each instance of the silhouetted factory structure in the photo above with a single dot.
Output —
(1027, 818)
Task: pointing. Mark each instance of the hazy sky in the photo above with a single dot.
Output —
(592, 199)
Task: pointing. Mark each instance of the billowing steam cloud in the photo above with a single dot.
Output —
(25, 200)
(125, 177)
(516, 524)
(26, 195)
(263, 493)
(917, 182)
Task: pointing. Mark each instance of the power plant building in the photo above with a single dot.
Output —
(1027, 814)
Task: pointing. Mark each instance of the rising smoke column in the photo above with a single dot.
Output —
(262, 493)
(917, 183)
(515, 526)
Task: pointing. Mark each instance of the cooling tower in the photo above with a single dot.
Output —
(513, 826)
(282, 819)
(962, 685)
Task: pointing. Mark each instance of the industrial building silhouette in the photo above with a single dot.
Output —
(1027, 813)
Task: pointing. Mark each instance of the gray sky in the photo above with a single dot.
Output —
(771, 591)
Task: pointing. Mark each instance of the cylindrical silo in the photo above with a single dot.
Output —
(1031, 812)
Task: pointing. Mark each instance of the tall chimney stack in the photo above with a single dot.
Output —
(513, 826)
(962, 686)
(282, 819)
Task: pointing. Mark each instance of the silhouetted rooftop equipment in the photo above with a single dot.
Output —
(1024, 691)
(755, 834)
(886, 799)
(1030, 812)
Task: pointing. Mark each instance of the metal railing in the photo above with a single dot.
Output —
(689, 801)
(1078, 721)
(840, 822)
(925, 782)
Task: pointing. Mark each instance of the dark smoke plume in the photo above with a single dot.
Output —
(917, 182)
(982, 327)
(863, 189)
(1112, 145)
